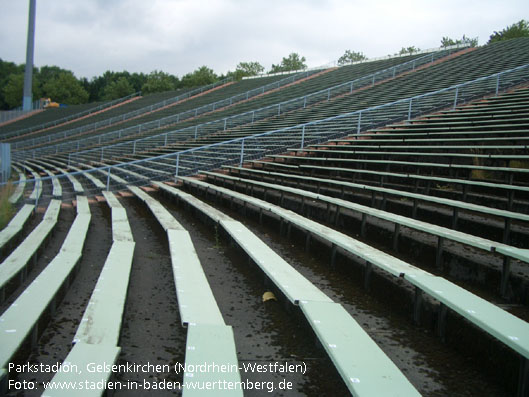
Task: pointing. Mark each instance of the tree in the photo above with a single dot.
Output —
(117, 89)
(158, 81)
(519, 29)
(447, 41)
(350, 57)
(13, 90)
(65, 88)
(6, 70)
(202, 76)
(409, 50)
(292, 62)
(245, 69)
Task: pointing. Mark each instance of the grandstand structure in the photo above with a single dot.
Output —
(384, 203)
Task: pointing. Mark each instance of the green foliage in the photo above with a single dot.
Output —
(13, 90)
(447, 41)
(159, 81)
(514, 31)
(350, 57)
(409, 50)
(293, 62)
(65, 88)
(246, 69)
(6, 208)
(202, 76)
(117, 89)
(6, 70)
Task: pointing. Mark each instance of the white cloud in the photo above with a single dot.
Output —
(178, 36)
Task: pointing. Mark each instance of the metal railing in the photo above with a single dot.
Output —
(249, 117)
(118, 119)
(237, 151)
(71, 117)
(7, 115)
(166, 120)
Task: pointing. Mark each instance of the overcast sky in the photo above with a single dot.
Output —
(178, 36)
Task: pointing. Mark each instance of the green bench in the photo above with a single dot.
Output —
(338, 332)
(21, 318)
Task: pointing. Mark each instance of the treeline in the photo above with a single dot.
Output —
(62, 86)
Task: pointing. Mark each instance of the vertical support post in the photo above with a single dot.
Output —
(455, 218)
(328, 95)
(455, 98)
(497, 84)
(253, 116)
(108, 179)
(176, 166)
(363, 226)
(439, 253)
(28, 73)
(165, 140)
(417, 304)
(396, 233)
(507, 231)
(373, 82)
(242, 153)
(134, 148)
(196, 129)
(303, 137)
(225, 122)
(333, 255)
(359, 122)
(304, 102)
(409, 110)
(506, 270)
(279, 109)
(441, 321)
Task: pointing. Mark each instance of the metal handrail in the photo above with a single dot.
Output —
(241, 118)
(121, 118)
(71, 117)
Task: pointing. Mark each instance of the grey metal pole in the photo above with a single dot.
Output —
(28, 74)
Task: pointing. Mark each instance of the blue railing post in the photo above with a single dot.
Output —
(455, 98)
(409, 109)
(302, 137)
(176, 166)
(497, 84)
(242, 153)
(359, 122)
(108, 179)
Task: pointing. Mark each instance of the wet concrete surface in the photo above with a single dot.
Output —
(56, 340)
(46, 253)
(151, 329)
(435, 368)
(265, 332)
